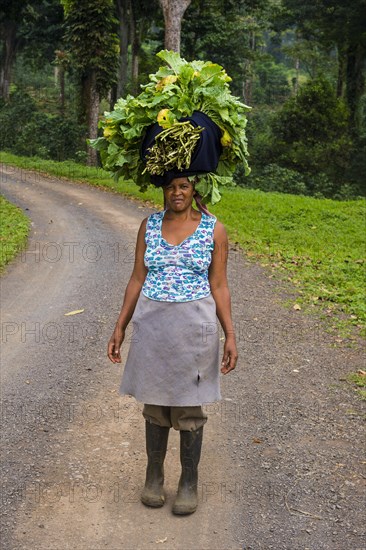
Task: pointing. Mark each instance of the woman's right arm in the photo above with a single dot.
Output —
(132, 293)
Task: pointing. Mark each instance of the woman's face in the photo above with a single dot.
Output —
(179, 194)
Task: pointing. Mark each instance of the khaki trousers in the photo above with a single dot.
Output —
(179, 418)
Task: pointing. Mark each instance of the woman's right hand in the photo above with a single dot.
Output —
(115, 343)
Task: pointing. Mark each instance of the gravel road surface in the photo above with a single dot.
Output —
(282, 464)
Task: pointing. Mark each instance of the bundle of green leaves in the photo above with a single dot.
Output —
(175, 91)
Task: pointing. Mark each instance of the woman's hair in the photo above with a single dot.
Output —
(202, 207)
(198, 200)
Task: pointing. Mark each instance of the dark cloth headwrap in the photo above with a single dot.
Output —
(205, 157)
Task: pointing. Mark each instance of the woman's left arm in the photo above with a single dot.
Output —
(221, 294)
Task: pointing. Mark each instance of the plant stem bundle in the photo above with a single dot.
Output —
(173, 148)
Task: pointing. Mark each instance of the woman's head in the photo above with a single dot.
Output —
(179, 194)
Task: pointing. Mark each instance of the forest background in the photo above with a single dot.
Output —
(299, 65)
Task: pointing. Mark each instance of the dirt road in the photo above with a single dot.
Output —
(282, 456)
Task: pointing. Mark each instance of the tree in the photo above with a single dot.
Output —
(123, 13)
(309, 133)
(136, 21)
(173, 11)
(230, 33)
(93, 44)
(142, 15)
(34, 28)
(336, 24)
(10, 18)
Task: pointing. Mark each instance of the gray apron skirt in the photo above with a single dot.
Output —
(173, 358)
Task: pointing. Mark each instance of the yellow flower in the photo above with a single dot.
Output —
(166, 118)
(165, 81)
(109, 131)
(225, 77)
(226, 139)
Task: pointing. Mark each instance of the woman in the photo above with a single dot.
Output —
(177, 288)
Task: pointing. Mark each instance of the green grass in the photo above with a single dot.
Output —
(317, 244)
(359, 380)
(14, 228)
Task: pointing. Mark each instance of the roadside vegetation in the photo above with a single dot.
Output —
(14, 230)
(300, 70)
(318, 245)
(358, 381)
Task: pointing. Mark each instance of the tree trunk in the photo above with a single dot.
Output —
(341, 78)
(355, 84)
(135, 46)
(123, 7)
(91, 109)
(247, 88)
(247, 84)
(8, 57)
(173, 11)
(296, 81)
(60, 70)
(135, 65)
(62, 91)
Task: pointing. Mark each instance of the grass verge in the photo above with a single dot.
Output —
(358, 379)
(14, 229)
(317, 244)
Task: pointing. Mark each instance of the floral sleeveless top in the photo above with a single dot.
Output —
(178, 273)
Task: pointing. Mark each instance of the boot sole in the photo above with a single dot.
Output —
(153, 504)
(183, 512)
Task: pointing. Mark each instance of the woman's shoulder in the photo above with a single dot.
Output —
(209, 220)
(154, 217)
(220, 231)
(152, 224)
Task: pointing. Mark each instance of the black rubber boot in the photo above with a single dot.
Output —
(190, 453)
(156, 445)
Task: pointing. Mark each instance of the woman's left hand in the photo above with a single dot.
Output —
(230, 355)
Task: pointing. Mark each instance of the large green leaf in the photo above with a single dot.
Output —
(173, 59)
(181, 87)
